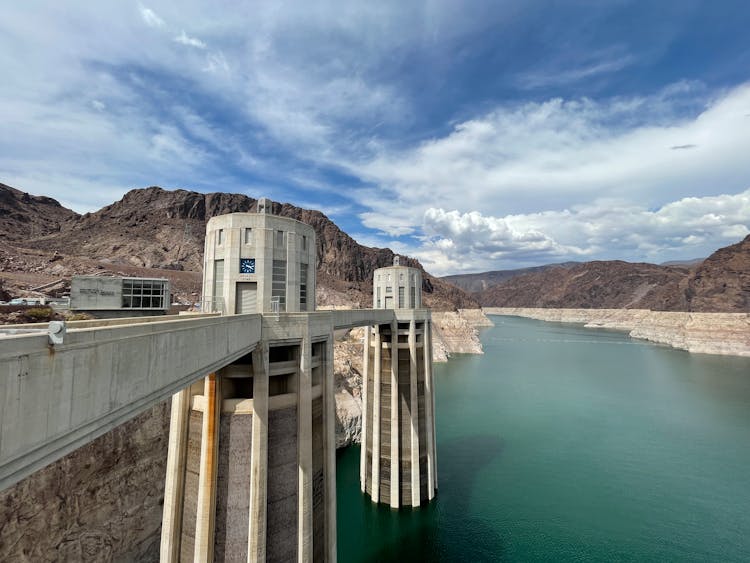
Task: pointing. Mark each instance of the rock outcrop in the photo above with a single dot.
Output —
(456, 333)
(347, 373)
(721, 283)
(103, 502)
(24, 216)
(705, 333)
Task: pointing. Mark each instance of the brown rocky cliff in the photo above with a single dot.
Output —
(24, 216)
(600, 284)
(165, 229)
(721, 283)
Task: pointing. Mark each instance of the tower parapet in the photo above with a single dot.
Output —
(397, 287)
(259, 263)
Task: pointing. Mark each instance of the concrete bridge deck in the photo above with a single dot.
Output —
(55, 398)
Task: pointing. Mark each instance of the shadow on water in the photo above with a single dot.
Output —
(412, 535)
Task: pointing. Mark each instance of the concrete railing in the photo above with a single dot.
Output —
(55, 398)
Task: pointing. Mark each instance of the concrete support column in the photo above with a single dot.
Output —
(171, 526)
(414, 418)
(206, 505)
(395, 461)
(304, 450)
(329, 417)
(376, 416)
(365, 391)
(429, 406)
(259, 456)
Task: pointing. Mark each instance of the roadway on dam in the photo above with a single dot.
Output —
(56, 397)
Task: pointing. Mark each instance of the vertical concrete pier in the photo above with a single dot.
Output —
(251, 463)
(398, 450)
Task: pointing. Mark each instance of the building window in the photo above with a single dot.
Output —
(388, 277)
(218, 294)
(220, 237)
(388, 289)
(413, 296)
(248, 236)
(401, 276)
(304, 242)
(401, 297)
(279, 242)
(278, 282)
(303, 286)
(144, 294)
(378, 297)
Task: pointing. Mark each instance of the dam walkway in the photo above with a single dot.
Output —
(63, 386)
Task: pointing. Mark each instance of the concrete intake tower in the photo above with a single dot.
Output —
(397, 466)
(251, 462)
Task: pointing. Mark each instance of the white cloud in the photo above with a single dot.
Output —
(150, 17)
(690, 227)
(551, 76)
(216, 62)
(184, 39)
(562, 153)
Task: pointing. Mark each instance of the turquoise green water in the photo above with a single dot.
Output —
(569, 444)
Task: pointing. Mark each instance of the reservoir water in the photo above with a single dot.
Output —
(562, 443)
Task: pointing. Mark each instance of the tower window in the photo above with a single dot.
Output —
(303, 286)
(248, 236)
(220, 237)
(278, 282)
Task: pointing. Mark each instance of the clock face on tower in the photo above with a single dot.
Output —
(247, 265)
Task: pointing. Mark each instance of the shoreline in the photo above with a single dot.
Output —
(726, 334)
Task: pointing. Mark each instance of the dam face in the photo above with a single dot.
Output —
(397, 466)
(251, 464)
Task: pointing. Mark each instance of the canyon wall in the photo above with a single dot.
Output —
(103, 502)
(705, 333)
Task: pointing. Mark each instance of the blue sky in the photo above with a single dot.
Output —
(471, 135)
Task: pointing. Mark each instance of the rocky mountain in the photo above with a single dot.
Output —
(720, 283)
(163, 231)
(24, 216)
(474, 283)
(600, 284)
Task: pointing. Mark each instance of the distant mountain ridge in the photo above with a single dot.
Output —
(474, 283)
(720, 283)
(154, 228)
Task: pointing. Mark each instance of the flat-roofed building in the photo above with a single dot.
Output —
(109, 297)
